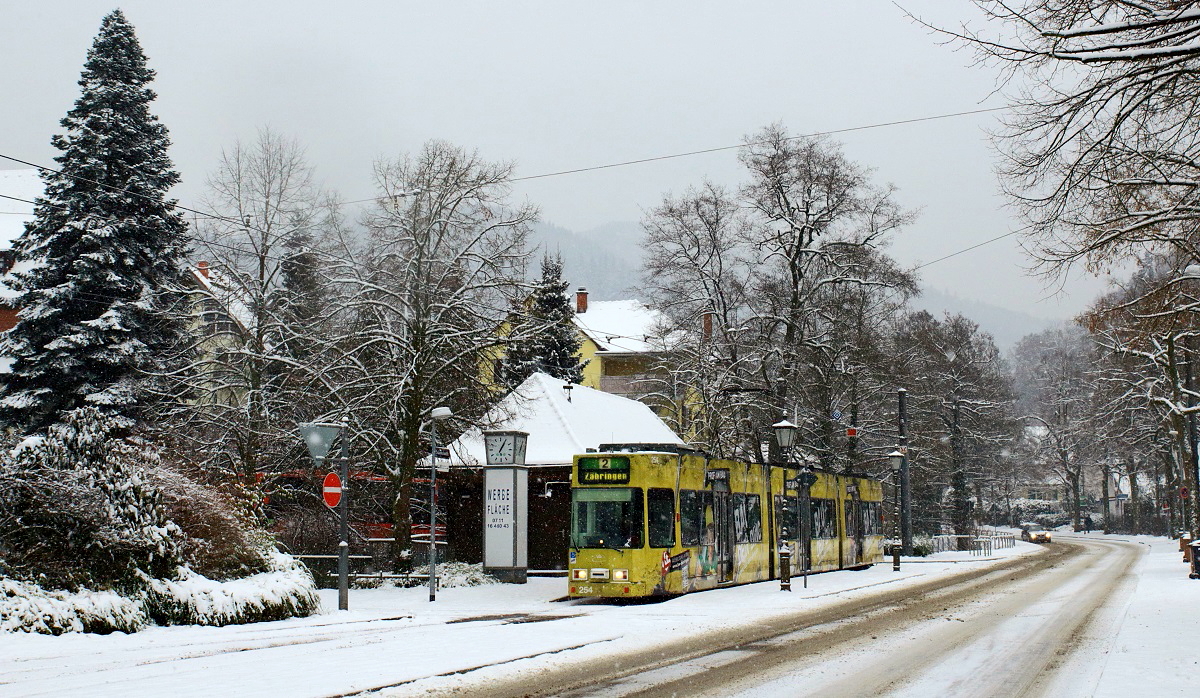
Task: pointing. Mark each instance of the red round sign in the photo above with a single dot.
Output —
(331, 490)
(1183, 492)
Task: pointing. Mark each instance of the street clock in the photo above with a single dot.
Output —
(505, 447)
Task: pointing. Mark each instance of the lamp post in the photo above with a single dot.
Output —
(785, 436)
(435, 415)
(319, 436)
(896, 460)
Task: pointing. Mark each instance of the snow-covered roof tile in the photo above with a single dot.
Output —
(622, 326)
(560, 428)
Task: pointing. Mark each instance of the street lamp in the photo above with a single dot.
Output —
(896, 460)
(319, 436)
(785, 436)
(435, 415)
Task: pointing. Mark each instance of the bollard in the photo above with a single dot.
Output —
(896, 555)
(1195, 573)
(785, 567)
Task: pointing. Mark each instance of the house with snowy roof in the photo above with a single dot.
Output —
(622, 341)
(562, 421)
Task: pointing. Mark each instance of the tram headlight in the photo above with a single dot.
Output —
(579, 573)
(620, 575)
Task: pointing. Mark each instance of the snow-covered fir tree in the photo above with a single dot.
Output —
(550, 342)
(98, 323)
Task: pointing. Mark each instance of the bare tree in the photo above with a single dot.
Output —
(443, 261)
(258, 369)
(960, 407)
(775, 293)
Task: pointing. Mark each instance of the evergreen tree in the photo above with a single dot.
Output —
(548, 341)
(99, 321)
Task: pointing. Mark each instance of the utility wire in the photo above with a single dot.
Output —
(722, 148)
(625, 163)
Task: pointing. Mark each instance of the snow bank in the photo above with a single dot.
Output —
(192, 599)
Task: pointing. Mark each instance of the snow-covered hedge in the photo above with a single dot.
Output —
(29, 608)
(285, 591)
(459, 574)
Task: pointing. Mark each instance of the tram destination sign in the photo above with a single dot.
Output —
(604, 470)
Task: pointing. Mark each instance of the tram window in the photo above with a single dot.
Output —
(872, 518)
(692, 507)
(660, 505)
(824, 518)
(740, 529)
(753, 519)
(609, 517)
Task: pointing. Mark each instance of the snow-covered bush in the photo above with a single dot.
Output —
(217, 539)
(286, 591)
(1048, 512)
(29, 608)
(459, 574)
(83, 510)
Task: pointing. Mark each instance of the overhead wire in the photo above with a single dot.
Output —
(244, 224)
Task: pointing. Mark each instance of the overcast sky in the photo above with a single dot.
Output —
(554, 86)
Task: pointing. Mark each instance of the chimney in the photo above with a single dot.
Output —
(706, 325)
(202, 267)
(581, 301)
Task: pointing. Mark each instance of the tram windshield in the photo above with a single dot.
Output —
(609, 517)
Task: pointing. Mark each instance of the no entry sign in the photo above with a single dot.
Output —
(331, 490)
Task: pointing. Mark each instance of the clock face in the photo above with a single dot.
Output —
(499, 448)
(505, 448)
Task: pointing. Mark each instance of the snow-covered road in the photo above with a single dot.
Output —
(485, 640)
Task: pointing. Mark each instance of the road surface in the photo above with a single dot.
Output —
(1006, 631)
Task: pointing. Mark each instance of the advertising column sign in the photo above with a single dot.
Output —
(506, 507)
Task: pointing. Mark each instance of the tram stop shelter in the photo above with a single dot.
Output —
(561, 423)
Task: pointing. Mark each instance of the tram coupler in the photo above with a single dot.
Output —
(785, 567)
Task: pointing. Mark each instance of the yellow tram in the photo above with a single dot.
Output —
(646, 521)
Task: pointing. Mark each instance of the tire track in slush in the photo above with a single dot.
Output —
(725, 657)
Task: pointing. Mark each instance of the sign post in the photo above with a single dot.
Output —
(319, 436)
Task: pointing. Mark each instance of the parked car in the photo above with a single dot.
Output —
(1035, 533)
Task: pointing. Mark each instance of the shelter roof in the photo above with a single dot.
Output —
(561, 426)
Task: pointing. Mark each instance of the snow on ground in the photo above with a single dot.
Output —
(397, 638)
(1148, 644)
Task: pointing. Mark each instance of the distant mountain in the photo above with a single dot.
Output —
(605, 260)
(1006, 326)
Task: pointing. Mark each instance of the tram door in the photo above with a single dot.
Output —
(723, 520)
(854, 533)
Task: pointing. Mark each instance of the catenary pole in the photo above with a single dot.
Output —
(344, 527)
(906, 533)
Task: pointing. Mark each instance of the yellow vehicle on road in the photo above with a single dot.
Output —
(660, 520)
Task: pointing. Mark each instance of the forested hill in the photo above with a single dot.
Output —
(606, 260)
(1006, 326)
